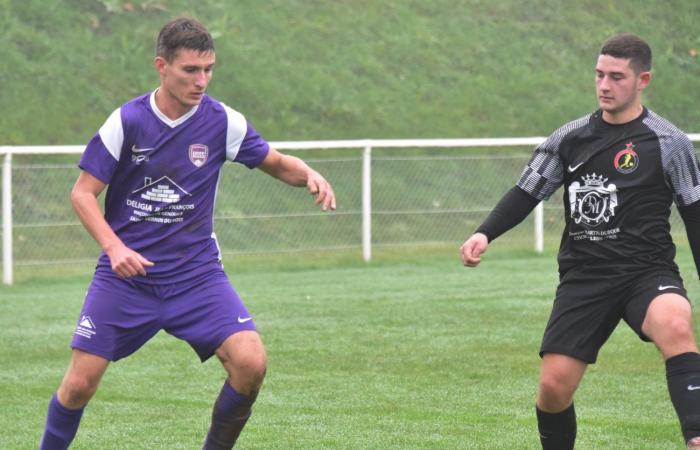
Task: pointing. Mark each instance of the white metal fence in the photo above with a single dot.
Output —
(395, 192)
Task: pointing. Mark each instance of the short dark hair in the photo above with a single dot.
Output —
(180, 33)
(629, 46)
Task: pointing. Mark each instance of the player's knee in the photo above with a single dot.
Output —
(676, 329)
(247, 367)
(76, 390)
(554, 391)
(681, 329)
(253, 368)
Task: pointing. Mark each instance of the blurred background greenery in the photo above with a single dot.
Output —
(344, 69)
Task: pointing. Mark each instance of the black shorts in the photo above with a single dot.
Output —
(589, 305)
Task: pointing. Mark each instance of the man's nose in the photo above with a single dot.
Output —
(201, 79)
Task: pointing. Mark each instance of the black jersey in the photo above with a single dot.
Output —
(619, 182)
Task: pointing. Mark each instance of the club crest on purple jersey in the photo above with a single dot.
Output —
(198, 154)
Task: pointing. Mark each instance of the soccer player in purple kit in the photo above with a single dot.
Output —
(622, 167)
(161, 154)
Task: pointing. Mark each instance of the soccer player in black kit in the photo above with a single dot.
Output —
(621, 167)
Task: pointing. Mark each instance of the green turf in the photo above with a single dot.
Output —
(410, 351)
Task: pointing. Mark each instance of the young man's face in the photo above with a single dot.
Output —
(618, 87)
(185, 78)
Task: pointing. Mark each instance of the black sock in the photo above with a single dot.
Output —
(683, 378)
(557, 430)
(231, 412)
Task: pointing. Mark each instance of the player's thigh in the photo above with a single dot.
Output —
(87, 365)
(118, 316)
(583, 317)
(668, 324)
(656, 300)
(206, 312)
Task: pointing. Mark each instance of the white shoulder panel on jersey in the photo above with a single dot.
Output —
(678, 159)
(112, 134)
(237, 128)
(545, 172)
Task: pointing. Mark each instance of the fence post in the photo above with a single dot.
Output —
(367, 204)
(539, 227)
(7, 218)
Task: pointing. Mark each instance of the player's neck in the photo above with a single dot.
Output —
(625, 116)
(169, 106)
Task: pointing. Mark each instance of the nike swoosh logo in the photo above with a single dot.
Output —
(571, 169)
(663, 288)
(693, 388)
(244, 319)
(135, 149)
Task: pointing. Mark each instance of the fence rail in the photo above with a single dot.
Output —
(366, 145)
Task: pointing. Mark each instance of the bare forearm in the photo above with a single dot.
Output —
(88, 210)
(292, 171)
(296, 172)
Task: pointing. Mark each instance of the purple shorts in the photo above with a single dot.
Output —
(120, 315)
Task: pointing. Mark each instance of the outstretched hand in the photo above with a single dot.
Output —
(473, 248)
(322, 189)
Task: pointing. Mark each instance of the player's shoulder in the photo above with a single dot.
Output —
(142, 102)
(576, 125)
(220, 106)
(663, 128)
(236, 120)
(133, 110)
(568, 131)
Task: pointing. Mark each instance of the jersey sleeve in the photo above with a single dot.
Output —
(243, 143)
(102, 153)
(513, 208)
(681, 168)
(691, 219)
(253, 149)
(545, 172)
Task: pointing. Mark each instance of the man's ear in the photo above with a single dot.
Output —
(644, 80)
(160, 64)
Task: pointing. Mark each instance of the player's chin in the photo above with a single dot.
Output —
(195, 99)
(605, 105)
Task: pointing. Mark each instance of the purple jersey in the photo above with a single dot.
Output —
(162, 176)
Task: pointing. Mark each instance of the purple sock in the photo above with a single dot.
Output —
(231, 411)
(61, 426)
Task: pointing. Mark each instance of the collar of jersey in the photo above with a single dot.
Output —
(165, 119)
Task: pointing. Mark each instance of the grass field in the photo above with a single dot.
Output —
(412, 351)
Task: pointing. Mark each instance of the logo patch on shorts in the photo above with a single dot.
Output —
(86, 328)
